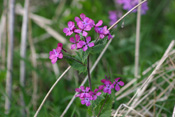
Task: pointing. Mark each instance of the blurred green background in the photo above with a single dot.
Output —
(157, 31)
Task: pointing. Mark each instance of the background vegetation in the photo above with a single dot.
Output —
(157, 31)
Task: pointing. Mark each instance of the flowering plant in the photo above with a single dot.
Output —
(86, 46)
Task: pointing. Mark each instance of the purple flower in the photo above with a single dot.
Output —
(108, 85)
(86, 96)
(77, 43)
(86, 44)
(87, 100)
(129, 4)
(103, 31)
(117, 83)
(84, 25)
(82, 92)
(70, 29)
(113, 16)
(95, 94)
(56, 53)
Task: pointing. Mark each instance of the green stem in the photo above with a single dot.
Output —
(89, 75)
(102, 106)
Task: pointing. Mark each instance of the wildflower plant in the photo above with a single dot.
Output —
(85, 46)
(101, 97)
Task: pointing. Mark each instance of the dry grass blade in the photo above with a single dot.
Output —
(23, 54)
(11, 19)
(137, 42)
(161, 76)
(173, 112)
(48, 93)
(43, 23)
(3, 34)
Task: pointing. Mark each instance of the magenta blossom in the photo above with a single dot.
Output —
(114, 16)
(87, 44)
(86, 96)
(84, 25)
(82, 92)
(103, 31)
(117, 83)
(108, 85)
(56, 53)
(87, 100)
(95, 94)
(129, 4)
(77, 43)
(70, 29)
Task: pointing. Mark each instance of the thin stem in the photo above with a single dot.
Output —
(85, 79)
(51, 90)
(126, 14)
(102, 106)
(89, 74)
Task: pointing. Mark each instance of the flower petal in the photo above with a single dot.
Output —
(71, 25)
(88, 39)
(103, 80)
(101, 87)
(80, 25)
(91, 44)
(100, 22)
(121, 83)
(54, 60)
(65, 30)
(117, 88)
(117, 79)
(85, 33)
(83, 16)
(73, 46)
(77, 19)
(77, 37)
(72, 40)
(77, 31)
(60, 55)
(88, 103)
(77, 90)
(85, 48)
(82, 88)
(83, 102)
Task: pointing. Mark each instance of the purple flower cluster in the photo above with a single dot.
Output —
(56, 53)
(129, 4)
(86, 96)
(84, 24)
(81, 39)
(108, 85)
(114, 16)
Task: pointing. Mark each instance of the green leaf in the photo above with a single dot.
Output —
(98, 46)
(76, 63)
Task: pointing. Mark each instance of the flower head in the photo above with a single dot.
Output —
(56, 53)
(77, 43)
(129, 4)
(108, 85)
(84, 25)
(70, 29)
(103, 31)
(118, 83)
(87, 44)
